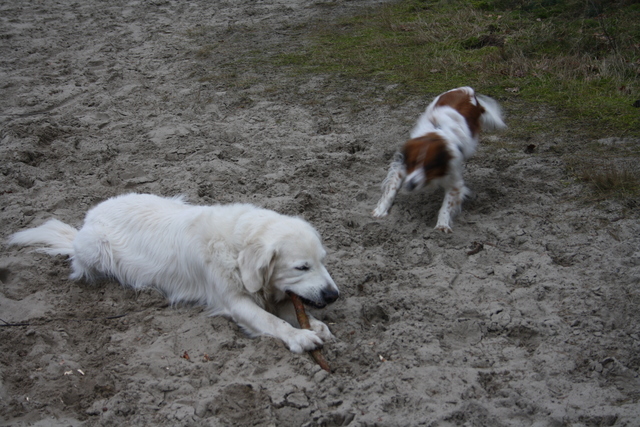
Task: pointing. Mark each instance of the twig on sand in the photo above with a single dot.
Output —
(477, 247)
(304, 323)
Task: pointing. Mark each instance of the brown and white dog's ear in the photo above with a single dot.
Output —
(256, 264)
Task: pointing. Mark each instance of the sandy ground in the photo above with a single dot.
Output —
(540, 327)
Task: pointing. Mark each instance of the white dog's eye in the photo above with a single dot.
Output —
(302, 267)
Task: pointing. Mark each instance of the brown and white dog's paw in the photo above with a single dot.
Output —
(379, 212)
(444, 228)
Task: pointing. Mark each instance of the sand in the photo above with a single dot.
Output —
(527, 315)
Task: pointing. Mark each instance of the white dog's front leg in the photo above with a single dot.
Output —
(320, 328)
(286, 311)
(257, 321)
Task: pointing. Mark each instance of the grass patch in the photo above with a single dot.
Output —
(614, 179)
(582, 58)
(610, 167)
(610, 179)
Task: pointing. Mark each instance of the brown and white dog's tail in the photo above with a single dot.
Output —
(491, 119)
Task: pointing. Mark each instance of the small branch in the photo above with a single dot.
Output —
(478, 246)
(303, 319)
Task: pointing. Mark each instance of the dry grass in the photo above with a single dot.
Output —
(610, 166)
(610, 178)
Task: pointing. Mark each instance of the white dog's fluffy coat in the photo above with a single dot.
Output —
(239, 260)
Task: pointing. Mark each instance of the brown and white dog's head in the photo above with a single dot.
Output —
(426, 158)
(447, 134)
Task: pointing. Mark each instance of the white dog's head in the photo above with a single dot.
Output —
(287, 256)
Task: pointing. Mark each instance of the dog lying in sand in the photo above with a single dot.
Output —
(238, 260)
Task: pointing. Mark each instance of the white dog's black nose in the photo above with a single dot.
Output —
(330, 295)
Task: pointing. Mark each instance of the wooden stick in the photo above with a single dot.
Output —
(304, 323)
(477, 247)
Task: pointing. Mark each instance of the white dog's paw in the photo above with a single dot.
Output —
(302, 340)
(321, 329)
(444, 228)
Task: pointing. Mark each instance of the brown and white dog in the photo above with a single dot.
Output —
(445, 135)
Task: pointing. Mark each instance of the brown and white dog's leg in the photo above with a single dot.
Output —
(451, 205)
(390, 186)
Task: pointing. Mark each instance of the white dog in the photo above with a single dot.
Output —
(239, 260)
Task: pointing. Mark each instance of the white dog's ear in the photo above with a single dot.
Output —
(256, 266)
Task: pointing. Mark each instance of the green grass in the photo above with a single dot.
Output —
(581, 58)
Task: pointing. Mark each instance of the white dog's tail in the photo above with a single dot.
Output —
(56, 236)
(492, 117)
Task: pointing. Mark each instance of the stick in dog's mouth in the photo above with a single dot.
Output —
(303, 320)
(308, 302)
